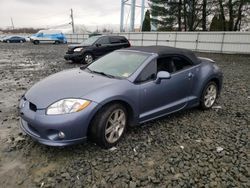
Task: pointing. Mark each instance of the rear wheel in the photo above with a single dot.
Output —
(57, 42)
(209, 95)
(109, 125)
(21, 41)
(8, 41)
(88, 58)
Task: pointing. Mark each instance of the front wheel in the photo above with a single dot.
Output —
(209, 95)
(109, 125)
(36, 42)
(88, 58)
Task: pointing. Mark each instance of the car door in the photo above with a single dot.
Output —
(102, 46)
(167, 96)
(116, 43)
(13, 39)
(18, 39)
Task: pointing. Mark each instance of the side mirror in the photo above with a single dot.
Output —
(162, 75)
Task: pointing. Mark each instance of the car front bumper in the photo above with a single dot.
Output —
(48, 129)
(25, 127)
(74, 57)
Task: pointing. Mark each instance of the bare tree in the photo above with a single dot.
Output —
(204, 15)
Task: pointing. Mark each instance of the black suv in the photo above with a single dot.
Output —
(95, 47)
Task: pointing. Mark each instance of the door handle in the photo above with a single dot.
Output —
(190, 75)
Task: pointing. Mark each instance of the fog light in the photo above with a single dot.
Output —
(61, 135)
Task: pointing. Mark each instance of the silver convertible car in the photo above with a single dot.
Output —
(124, 88)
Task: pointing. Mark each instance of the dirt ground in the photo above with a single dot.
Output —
(192, 148)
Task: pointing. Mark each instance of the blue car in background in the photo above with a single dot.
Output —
(48, 36)
(124, 88)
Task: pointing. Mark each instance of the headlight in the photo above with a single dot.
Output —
(78, 49)
(66, 106)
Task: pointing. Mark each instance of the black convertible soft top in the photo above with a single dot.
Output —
(166, 50)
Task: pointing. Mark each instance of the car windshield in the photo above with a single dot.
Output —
(90, 41)
(118, 64)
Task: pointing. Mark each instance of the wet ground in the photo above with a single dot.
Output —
(189, 149)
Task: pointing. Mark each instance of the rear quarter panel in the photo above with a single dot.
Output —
(206, 71)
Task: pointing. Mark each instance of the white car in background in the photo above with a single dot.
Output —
(48, 36)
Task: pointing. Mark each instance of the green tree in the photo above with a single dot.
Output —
(163, 14)
(146, 26)
(233, 13)
(217, 24)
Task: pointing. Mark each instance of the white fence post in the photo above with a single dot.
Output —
(222, 42)
(175, 39)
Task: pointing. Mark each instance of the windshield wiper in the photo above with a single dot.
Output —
(102, 73)
(97, 72)
(84, 67)
(89, 69)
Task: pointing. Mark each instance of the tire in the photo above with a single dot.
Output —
(8, 41)
(109, 125)
(88, 58)
(21, 41)
(36, 42)
(57, 42)
(209, 95)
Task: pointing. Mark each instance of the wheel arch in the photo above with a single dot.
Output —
(211, 79)
(88, 52)
(130, 110)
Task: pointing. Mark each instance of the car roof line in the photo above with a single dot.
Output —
(124, 50)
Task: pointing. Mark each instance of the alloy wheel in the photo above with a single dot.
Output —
(115, 126)
(210, 95)
(88, 58)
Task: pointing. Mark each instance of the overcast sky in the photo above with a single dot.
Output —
(51, 13)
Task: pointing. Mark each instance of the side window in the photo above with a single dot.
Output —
(103, 40)
(181, 63)
(115, 40)
(123, 40)
(165, 64)
(39, 34)
(148, 73)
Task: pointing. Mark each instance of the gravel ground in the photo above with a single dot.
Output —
(192, 148)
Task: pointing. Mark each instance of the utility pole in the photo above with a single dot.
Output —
(12, 24)
(72, 20)
(132, 18)
(142, 12)
(132, 5)
(122, 15)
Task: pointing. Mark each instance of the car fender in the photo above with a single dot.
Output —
(208, 72)
(126, 93)
(88, 51)
(133, 119)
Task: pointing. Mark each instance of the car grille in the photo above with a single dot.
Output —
(33, 107)
(33, 130)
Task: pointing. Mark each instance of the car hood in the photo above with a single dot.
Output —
(73, 46)
(74, 83)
